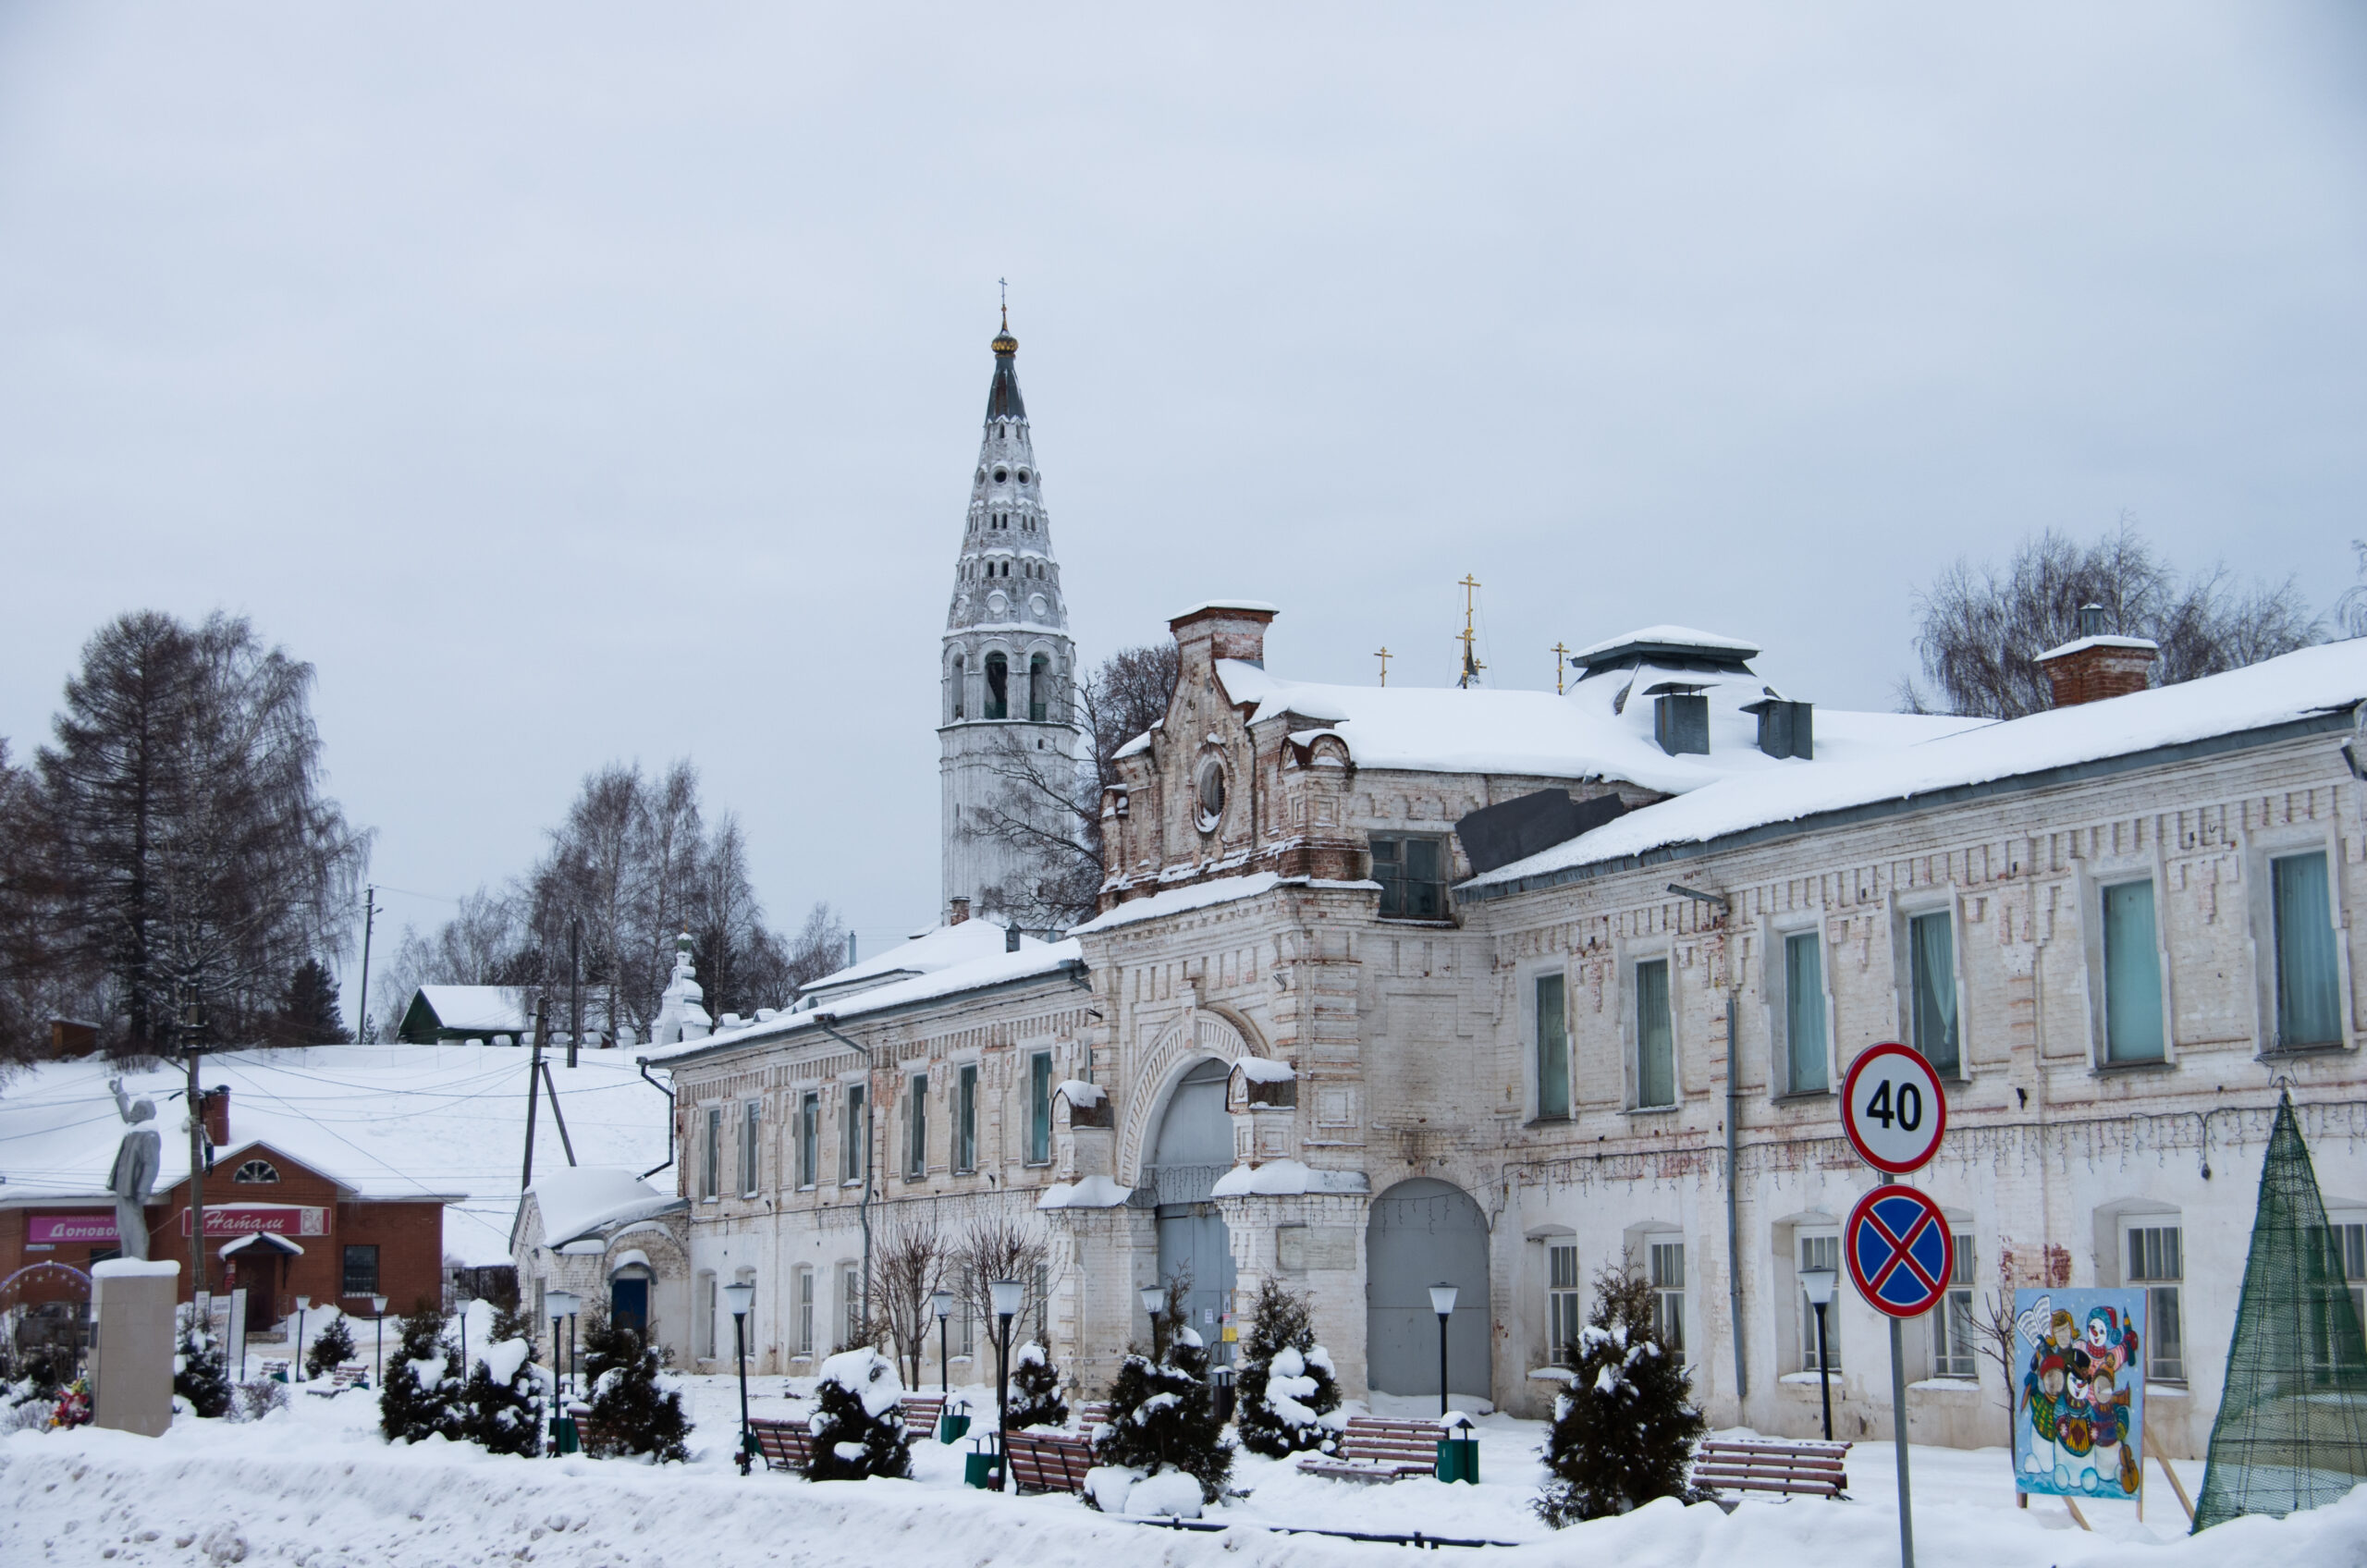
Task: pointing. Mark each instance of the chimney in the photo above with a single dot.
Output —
(2096, 663)
(1223, 628)
(849, 949)
(217, 1115)
(959, 914)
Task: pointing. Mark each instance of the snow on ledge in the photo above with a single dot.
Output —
(1177, 900)
(1265, 1069)
(1286, 1178)
(2081, 644)
(1079, 1093)
(1094, 1192)
(135, 1269)
(1258, 606)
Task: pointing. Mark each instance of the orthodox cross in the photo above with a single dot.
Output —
(1004, 284)
(1471, 665)
(1383, 658)
(1560, 657)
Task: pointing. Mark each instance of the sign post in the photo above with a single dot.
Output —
(1897, 1245)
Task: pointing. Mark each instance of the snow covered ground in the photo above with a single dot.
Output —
(315, 1486)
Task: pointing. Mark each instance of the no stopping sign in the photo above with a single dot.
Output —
(1892, 1108)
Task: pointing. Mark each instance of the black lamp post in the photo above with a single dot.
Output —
(1442, 1302)
(304, 1304)
(1007, 1295)
(941, 1303)
(379, 1317)
(1818, 1284)
(741, 1296)
(561, 1306)
(1154, 1298)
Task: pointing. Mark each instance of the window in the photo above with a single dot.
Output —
(2335, 1301)
(542, 1286)
(809, 1138)
(1665, 1273)
(1412, 874)
(260, 1171)
(2132, 974)
(965, 1325)
(1805, 1040)
(1819, 1249)
(959, 684)
(1208, 786)
(1655, 1041)
(997, 686)
(1931, 955)
(855, 1136)
(917, 1128)
(1040, 1289)
(711, 1157)
(2308, 993)
(1039, 1108)
(751, 1124)
(361, 1271)
(2155, 1265)
(1954, 1344)
(1562, 1304)
(965, 1118)
(706, 1326)
(802, 1323)
(1552, 1049)
(851, 1304)
(1039, 687)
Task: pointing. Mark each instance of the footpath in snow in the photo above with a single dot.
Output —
(315, 1486)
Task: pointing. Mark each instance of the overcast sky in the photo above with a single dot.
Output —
(577, 382)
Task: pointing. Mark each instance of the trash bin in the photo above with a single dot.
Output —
(563, 1436)
(979, 1470)
(1459, 1460)
(952, 1426)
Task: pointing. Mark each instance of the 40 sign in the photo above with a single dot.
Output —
(1899, 1251)
(1892, 1108)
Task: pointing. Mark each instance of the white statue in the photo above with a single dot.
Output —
(136, 1159)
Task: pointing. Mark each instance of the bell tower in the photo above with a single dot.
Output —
(1009, 744)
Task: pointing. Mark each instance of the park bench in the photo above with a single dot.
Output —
(1090, 1414)
(1044, 1460)
(1795, 1469)
(1373, 1448)
(922, 1413)
(785, 1445)
(345, 1375)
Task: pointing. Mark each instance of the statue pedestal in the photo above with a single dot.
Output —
(131, 1353)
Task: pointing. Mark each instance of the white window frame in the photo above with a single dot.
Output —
(1632, 1028)
(964, 1117)
(2165, 1293)
(916, 1126)
(1661, 1248)
(704, 1348)
(809, 1140)
(1778, 990)
(1956, 1335)
(2095, 886)
(1564, 1299)
(1533, 996)
(2267, 852)
(850, 1305)
(750, 1148)
(1813, 1244)
(1039, 1107)
(854, 1135)
(711, 1156)
(2346, 1233)
(803, 1323)
(1903, 935)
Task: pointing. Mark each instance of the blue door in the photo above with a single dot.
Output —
(629, 1305)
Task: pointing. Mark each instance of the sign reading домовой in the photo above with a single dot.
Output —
(52, 1230)
(253, 1219)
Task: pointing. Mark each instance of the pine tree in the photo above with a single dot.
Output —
(1286, 1383)
(331, 1349)
(632, 1412)
(201, 1370)
(503, 1401)
(1161, 1416)
(423, 1387)
(1036, 1389)
(309, 1014)
(858, 1426)
(1624, 1433)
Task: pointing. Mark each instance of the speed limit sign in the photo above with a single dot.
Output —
(1892, 1108)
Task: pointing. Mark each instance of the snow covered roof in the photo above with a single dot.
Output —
(491, 1009)
(2311, 683)
(1256, 607)
(577, 1200)
(923, 954)
(387, 1121)
(1660, 639)
(2081, 644)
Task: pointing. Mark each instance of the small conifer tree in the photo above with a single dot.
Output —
(631, 1411)
(1036, 1389)
(858, 1425)
(1161, 1417)
(331, 1349)
(502, 1403)
(421, 1393)
(1624, 1432)
(1286, 1384)
(201, 1369)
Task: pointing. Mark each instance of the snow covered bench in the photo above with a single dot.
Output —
(1043, 1460)
(785, 1445)
(922, 1413)
(345, 1375)
(1091, 1413)
(1802, 1469)
(1373, 1448)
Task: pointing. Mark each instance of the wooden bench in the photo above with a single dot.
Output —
(1042, 1461)
(1373, 1448)
(344, 1376)
(1090, 1414)
(922, 1413)
(1795, 1469)
(785, 1445)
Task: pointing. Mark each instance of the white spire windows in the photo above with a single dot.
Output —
(1039, 687)
(998, 687)
(960, 684)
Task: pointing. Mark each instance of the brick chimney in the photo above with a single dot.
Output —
(2096, 663)
(959, 912)
(217, 1114)
(1222, 629)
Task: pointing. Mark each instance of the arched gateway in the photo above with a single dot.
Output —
(1425, 1232)
(1192, 1148)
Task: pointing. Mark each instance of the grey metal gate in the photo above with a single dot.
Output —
(1421, 1233)
(1194, 1147)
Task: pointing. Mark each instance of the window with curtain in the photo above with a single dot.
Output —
(854, 1141)
(2334, 1298)
(1562, 1304)
(2155, 1264)
(917, 1128)
(965, 1118)
(802, 1324)
(362, 1270)
(1804, 1050)
(1954, 1345)
(809, 1139)
(1666, 1271)
(711, 1156)
(1931, 951)
(751, 1127)
(850, 1305)
(2132, 974)
(1039, 1108)
(1819, 1249)
(706, 1326)
(2308, 993)
(1552, 1048)
(1655, 1038)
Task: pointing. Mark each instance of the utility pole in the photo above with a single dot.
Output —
(193, 1051)
(533, 1100)
(574, 986)
(363, 1031)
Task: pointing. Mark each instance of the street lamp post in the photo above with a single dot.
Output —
(1154, 1298)
(1007, 1295)
(378, 1320)
(1442, 1302)
(303, 1304)
(1818, 1284)
(561, 1306)
(941, 1303)
(741, 1296)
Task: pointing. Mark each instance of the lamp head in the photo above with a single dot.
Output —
(1818, 1284)
(561, 1304)
(1154, 1299)
(1007, 1295)
(303, 1304)
(1442, 1299)
(941, 1303)
(740, 1296)
(378, 1306)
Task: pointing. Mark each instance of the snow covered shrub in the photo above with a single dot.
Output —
(258, 1399)
(330, 1349)
(1036, 1389)
(631, 1411)
(1286, 1384)
(503, 1402)
(1624, 1433)
(1161, 1417)
(201, 1370)
(858, 1426)
(421, 1394)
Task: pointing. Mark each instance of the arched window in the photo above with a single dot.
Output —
(998, 687)
(960, 684)
(1039, 687)
(257, 1171)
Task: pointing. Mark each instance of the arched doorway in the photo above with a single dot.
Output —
(1425, 1232)
(1194, 1146)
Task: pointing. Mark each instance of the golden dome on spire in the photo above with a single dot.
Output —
(1004, 342)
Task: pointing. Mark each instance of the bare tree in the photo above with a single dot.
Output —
(908, 1265)
(819, 948)
(1980, 632)
(997, 1246)
(40, 978)
(2350, 605)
